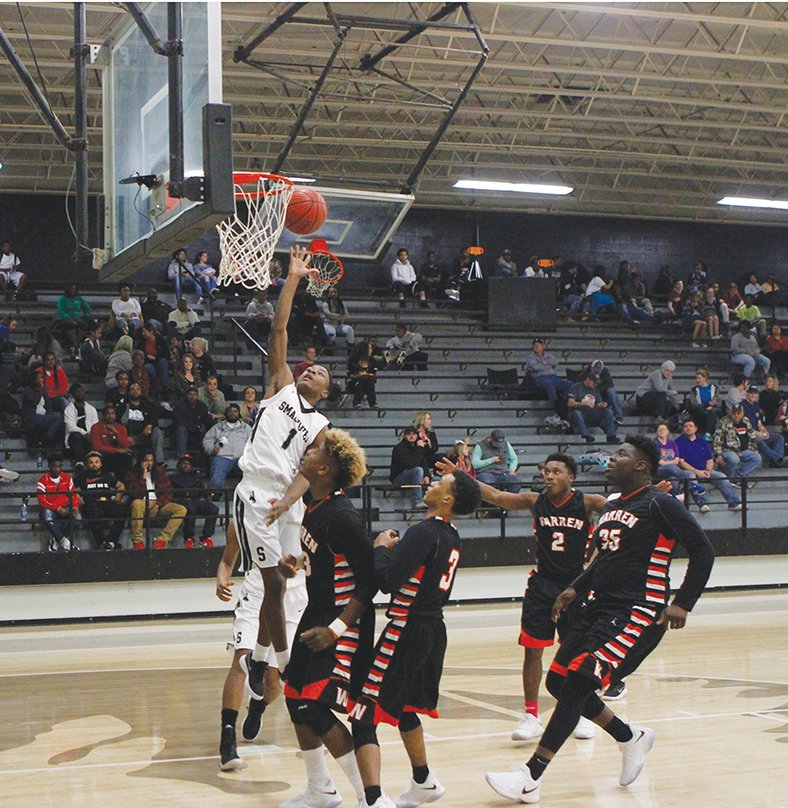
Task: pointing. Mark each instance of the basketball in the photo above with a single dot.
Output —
(306, 212)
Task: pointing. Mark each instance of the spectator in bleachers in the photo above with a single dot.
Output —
(250, 405)
(534, 270)
(113, 441)
(204, 366)
(770, 399)
(543, 367)
(181, 273)
(745, 351)
(716, 312)
(310, 355)
(772, 292)
(127, 311)
(141, 375)
(102, 503)
(58, 504)
(213, 398)
(150, 491)
(640, 293)
(670, 467)
(154, 348)
(119, 394)
(176, 344)
(665, 281)
(408, 466)
(140, 417)
(695, 318)
(92, 361)
(736, 444)
(335, 314)
(703, 402)
(781, 419)
(505, 265)
(655, 394)
(732, 298)
(751, 314)
(753, 288)
(44, 343)
(183, 320)
(404, 281)
(195, 498)
(422, 420)
(698, 279)
(206, 276)
(73, 316)
(697, 457)
(259, 316)
(39, 416)
(12, 279)
(79, 417)
(155, 311)
(587, 408)
(627, 306)
(403, 350)
(55, 381)
(119, 359)
(776, 350)
(432, 277)
(675, 302)
(224, 444)
(495, 462)
(461, 456)
(187, 378)
(192, 421)
(598, 294)
(8, 325)
(738, 391)
(607, 387)
(362, 375)
(306, 319)
(571, 289)
(771, 445)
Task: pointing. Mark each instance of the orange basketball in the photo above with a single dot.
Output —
(306, 212)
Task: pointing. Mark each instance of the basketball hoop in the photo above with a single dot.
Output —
(248, 238)
(326, 269)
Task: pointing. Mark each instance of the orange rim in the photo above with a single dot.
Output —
(253, 177)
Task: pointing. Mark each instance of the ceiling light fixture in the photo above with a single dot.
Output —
(303, 180)
(514, 187)
(744, 202)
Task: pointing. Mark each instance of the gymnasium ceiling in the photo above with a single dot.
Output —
(647, 109)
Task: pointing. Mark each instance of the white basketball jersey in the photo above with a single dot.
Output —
(286, 425)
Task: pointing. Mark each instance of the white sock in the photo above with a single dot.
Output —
(260, 653)
(350, 767)
(282, 658)
(317, 773)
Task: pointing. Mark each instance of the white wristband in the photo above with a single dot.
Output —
(337, 628)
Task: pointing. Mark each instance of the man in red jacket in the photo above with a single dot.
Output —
(150, 491)
(113, 441)
(58, 504)
(55, 381)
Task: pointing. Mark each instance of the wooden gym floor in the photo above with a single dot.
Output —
(129, 714)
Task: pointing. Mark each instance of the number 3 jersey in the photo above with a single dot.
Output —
(635, 536)
(563, 532)
(338, 555)
(286, 425)
(419, 570)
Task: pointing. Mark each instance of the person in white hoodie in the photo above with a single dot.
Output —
(404, 281)
(79, 417)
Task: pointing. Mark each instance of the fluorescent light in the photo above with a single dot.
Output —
(744, 202)
(514, 187)
(302, 179)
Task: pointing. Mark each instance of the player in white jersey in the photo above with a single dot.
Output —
(286, 426)
(245, 628)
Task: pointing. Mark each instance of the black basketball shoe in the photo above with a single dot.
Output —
(253, 722)
(255, 674)
(231, 760)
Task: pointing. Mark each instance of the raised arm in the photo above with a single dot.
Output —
(524, 501)
(279, 373)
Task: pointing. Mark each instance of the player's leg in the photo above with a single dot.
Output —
(424, 786)
(232, 697)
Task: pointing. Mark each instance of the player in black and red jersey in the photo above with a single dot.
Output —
(334, 638)
(418, 571)
(616, 629)
(562, 525)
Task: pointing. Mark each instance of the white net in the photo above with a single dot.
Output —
(327, 270)
(248, 238)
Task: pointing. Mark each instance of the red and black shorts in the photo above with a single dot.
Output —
(335, 675)
(405, 673)
(537, 629)
(616, 638)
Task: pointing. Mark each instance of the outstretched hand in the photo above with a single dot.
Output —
(278, 507)
(299, 262)
(445, 466)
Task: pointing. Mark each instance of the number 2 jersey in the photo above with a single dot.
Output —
(419, 570)
(563, 534)
(285, 426)
(635, 536)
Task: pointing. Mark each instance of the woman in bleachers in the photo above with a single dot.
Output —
(54, 381)
(186, 377)
(44, 343)
(461, 456)
(154, 347)
(776, 348)
(703, 403)
(335, 313)
(695, 318)
(119, 359)
(427, 438)
(73, 313)
(250, 406)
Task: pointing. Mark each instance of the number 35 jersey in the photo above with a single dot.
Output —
(563, 532)
(635, 536)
